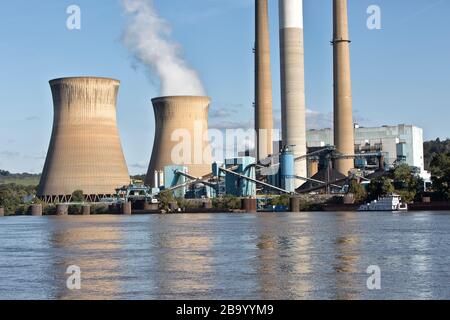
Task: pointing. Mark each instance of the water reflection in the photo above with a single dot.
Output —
(283, 256)
(347, 257)
(284, 261)
(92, 246)
(182, 263)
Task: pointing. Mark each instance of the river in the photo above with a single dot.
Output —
(225, 256)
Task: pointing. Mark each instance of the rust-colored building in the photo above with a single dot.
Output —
(85, 151)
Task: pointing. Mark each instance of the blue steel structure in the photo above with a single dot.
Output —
(238, 186)
(172, 178)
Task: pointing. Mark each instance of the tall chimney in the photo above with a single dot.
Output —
(344, 139)
(293, 110)
(263, 83)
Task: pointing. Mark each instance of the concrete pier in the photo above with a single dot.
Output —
(249, 205)
(150, 206)
(36, 210)
(86, 210)
(295, 204)
(62, 210)
(207, 205)
(126, 209)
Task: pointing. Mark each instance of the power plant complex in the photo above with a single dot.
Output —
(85, 151)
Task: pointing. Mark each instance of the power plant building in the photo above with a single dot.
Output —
(181, 136)
(399, 144)
(293, 109)
(85, 151)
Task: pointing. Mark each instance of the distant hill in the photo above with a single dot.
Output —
(432, 148)
(23, 179)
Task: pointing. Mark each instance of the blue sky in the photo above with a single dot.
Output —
(401, 73)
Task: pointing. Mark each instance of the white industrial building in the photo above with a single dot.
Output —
(402, 143)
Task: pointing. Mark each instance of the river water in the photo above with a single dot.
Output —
(223, 256)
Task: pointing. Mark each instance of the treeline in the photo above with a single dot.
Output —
(402, 180)
(14, 198)
(434, 148)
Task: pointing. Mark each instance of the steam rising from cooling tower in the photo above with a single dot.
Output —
(147, 36)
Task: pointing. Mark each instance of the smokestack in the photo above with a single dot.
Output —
(343, 115)
(293, 111)
(85, 152)
(181, 136)
(263, 83)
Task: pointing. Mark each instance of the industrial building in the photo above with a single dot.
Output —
(85, 152)
(399, 144)
(181, 136)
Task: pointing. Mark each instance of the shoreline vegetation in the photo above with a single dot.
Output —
(18, 192)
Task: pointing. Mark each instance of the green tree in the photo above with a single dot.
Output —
(358, 190)
(282, 200)
(380, 187)
(166, 198)
(78, 196)
(12, 196)
(407, 182)
(440, 174)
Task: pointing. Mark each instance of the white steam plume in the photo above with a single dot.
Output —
(147, 36)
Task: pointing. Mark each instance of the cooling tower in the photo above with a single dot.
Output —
(293, 110)
(343, 115)
(85, 152)
(263, 83)
(181, 135)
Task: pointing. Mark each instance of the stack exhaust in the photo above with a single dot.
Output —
(85, 152)
(181, 136)
(263, 83)
(293, 110)
(344, 139)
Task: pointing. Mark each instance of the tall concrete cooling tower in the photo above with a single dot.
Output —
(181, 136)
(263, 83)
(85, 152)
(293, 110)
(344, 139)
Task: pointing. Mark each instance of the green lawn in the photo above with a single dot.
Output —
(22, 180)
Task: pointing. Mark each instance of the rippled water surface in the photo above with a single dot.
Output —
(266, 256)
